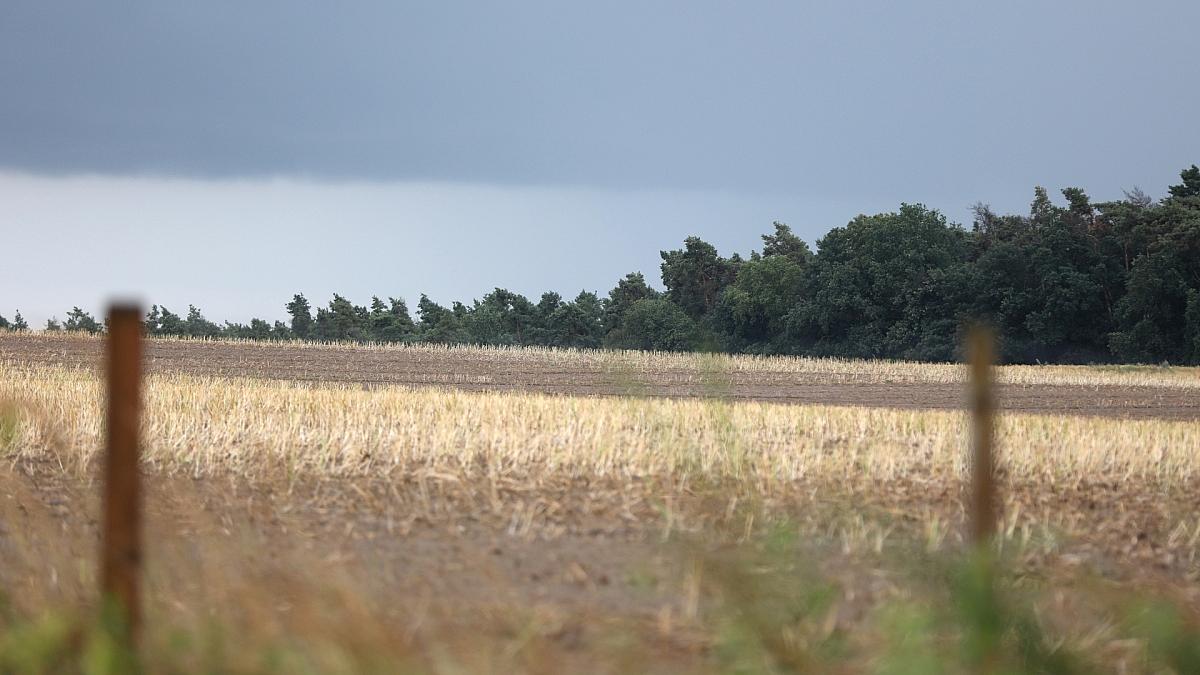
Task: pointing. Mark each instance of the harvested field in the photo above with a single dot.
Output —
(249, 427)
(588, 575)
(328, 526)
(1118, 391)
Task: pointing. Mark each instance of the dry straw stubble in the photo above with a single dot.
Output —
(254, 427)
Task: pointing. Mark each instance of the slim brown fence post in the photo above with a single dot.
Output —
(980, 351)
(121, 554)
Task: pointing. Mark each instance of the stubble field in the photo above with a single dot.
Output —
(483, 510)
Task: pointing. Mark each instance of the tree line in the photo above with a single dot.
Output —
(1081, 282)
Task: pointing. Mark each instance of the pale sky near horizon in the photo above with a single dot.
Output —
(230, 154)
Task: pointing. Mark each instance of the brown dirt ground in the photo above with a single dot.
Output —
(384, 367)
(557, 569)
(575, 562)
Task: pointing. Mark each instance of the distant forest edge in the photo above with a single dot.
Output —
(1110, 282)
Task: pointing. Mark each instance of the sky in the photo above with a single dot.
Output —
(230, 154)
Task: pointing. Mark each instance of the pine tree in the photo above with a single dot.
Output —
(152, 320)
(79, 321)
(197, 326)
(1190, 187)
(429, 312)
(402, 327)
(171, 323)
(1042, 210)
(342, 321)
(695, 275)
(302, 320)
(627, 291)
(389, 322)
(381, 320)
(785, 244)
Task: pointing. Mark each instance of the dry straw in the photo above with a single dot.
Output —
(254, 427)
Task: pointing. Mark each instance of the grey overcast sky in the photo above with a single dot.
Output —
(232, 153)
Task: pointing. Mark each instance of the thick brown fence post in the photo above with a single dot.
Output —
(983, 405)
(121, 554)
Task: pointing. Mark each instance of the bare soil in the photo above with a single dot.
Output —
(571, 563)
(560, 574)
(452, 369)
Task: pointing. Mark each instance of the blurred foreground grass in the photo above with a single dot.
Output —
(768, 605)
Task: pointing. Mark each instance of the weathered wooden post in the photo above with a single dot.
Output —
(980, 351)
(121, 545)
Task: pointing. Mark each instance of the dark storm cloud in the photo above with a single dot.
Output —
(887, 98)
